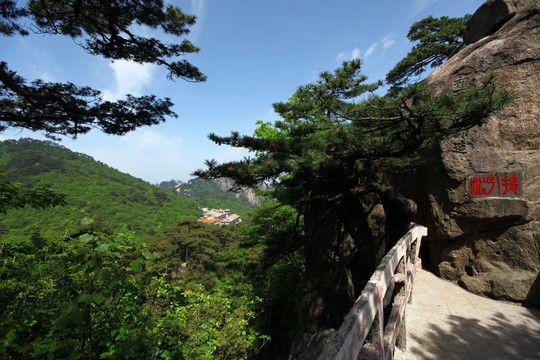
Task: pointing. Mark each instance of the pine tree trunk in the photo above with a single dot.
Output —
(343, 246)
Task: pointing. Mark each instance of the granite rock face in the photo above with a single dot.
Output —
(490, 17)
(490, 245)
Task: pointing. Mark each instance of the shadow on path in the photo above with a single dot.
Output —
(446, 322)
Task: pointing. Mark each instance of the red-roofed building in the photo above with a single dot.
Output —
(210, 220)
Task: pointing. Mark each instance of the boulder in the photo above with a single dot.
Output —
(489, 245)
(490, 17)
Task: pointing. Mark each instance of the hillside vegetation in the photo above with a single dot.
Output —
(93, 190)
(120, 271)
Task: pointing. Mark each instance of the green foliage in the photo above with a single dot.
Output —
(105, 28)
(220, 330)
(200, 253)
(91, 189)
(437, 39)
(275, 240)
(217, 258)
(13, 197)
(263, 259)
(277, 228)
(92, 298)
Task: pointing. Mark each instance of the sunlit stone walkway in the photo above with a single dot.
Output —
(446, 322)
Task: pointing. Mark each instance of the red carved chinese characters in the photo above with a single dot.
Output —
(511, 184)
(495, 185)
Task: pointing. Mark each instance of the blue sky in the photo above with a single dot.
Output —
(255, 53)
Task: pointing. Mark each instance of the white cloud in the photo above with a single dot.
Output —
(371, 49)
(355, 54)
(385, 43)
(230, 154)
(150, 139)
(47, 76)
(131, 78)
(388, 41)
(197, 9)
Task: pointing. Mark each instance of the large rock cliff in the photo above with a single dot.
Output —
(226, 184)
(490, 244)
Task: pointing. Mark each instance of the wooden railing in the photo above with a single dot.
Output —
(391, 283)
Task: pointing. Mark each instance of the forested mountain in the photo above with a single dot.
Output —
(216, 193)
(93, 190)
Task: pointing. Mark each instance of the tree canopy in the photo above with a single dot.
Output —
(437, 39)
(336, 136)
(13, 197)
(108, 28)
(100, 296)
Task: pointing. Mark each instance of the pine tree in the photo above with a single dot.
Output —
(337, 131)
(100, 27)
(328, 157)
(438, 39)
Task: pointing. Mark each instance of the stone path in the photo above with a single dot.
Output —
(446, 322)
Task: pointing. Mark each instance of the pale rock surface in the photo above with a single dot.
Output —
(226, 184)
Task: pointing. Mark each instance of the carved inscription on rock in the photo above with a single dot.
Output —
(496, 185)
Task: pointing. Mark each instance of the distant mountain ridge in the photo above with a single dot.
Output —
(171, 184)
(203, 188)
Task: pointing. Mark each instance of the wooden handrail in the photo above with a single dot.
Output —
(398, 267)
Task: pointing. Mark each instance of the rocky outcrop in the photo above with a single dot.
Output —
(226, 184)
(490, 245)
(198, 187)
(490, 17)
(487, 245)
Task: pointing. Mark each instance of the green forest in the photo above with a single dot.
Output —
(92, 191)
(97, 264)
(117, 256)
(95, 191)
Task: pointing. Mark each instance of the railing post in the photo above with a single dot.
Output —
(397, 267)
(402, 268)
(380, 316)
(401, 337)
